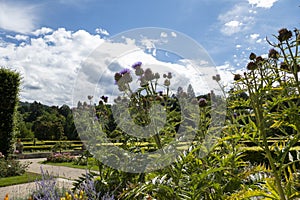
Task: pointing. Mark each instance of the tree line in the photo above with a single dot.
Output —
(36, 120)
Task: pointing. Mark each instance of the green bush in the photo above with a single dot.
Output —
(11, 167)
(9, 89)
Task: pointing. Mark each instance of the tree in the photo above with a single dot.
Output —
(9, 89)
(49, 126)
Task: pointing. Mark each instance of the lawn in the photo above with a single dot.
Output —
(14, 180)
(70, 164)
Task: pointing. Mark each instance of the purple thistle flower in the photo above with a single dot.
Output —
(136, 65)
(125, 71)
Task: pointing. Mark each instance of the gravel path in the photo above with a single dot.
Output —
(65, 174)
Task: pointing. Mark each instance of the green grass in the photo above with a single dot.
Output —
(14, 180)
(70, 164)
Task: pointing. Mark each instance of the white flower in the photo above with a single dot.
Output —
(9, 166)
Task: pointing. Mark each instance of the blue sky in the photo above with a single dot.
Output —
(46, 40)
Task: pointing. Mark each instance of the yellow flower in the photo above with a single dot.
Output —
(81, 192)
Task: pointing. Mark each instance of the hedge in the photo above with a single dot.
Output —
(9, 90)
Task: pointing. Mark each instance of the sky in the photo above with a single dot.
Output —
(49, 41)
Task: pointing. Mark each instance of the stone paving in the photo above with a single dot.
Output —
(65, 174)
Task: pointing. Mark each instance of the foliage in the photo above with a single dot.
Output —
(60, 146)
(11, 167)
(43, 122)
(9, 90)
(272, 86)
(263, 110)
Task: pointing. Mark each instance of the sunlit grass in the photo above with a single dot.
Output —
(72, 165)
(27, 177)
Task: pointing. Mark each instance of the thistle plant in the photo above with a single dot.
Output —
(271, 87)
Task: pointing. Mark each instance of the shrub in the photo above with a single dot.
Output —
(60, 157)
(9, 88)
(11, 167)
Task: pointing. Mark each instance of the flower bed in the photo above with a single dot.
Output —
(60, 157)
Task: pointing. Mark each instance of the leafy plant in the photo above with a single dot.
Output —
(272, 88)
(11, 167)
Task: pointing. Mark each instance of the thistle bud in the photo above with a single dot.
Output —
(284, 66)
(148, 74)
(156, 75)
(251, 66)
(252, 56)
(118, 76)
(202, 102)
(237, 77)
(167, 83)
(273, 54)
(284, 34)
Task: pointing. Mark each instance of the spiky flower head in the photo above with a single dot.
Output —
(284, 34)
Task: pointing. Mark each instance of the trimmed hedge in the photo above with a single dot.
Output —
(9, 90)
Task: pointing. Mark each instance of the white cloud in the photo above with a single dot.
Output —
(18, 37)
(102, 31)
(163, 34)
(52, 65)
(17, 17)
(259, 40)
(237, 19)
(254, 36)
(42, 31)
(262, 3)
(233, 24)
(49, 63)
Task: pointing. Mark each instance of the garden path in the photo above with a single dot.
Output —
(65, 174)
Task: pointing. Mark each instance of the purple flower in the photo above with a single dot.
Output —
(136, 65)
(235, 115)
(125, 71)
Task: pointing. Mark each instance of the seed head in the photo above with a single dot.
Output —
(252, 56)
(237, 77)
(284, 34)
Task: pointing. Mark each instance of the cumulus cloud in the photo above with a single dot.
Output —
(17, 17)
(62, 67)
(102, 31)
(96, 76)
(42, 31)
(237, 19)
(262, 3)
(18, 37)
(48, 63)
